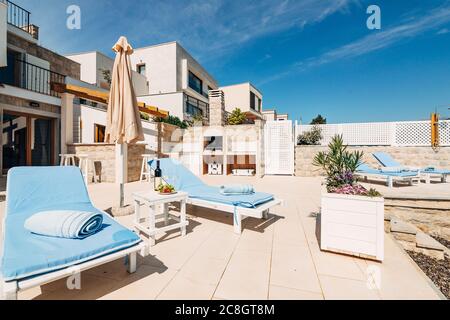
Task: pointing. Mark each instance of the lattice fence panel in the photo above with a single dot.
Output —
(444, 133)
(366, 134)
(413, 133)
(407, 133)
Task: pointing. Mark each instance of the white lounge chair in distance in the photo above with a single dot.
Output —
(427, 173)
(256, 205)
(390, 177)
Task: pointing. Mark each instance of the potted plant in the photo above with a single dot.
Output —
(352, 217)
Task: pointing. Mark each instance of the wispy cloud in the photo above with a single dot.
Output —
(443, 31)
(377, 40)
(207, 28)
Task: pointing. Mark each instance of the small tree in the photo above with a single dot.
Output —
(319, 120)
(310, 137)
(106, 75)
(236, 117)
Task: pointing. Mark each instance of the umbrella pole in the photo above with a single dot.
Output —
(121, 170)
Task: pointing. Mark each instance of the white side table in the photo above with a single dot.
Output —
(152, 199)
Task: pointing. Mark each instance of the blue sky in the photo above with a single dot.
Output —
(306, 56)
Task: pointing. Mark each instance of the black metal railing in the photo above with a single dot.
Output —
(18, 17)
(31, 77)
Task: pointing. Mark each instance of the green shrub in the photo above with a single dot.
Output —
(236, 117)
(311, 137)
(173, 121)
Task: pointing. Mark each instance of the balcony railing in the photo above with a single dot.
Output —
(31, 77)
(19, 17)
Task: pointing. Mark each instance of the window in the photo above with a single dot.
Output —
(252, 101)
(141, 69)
(195, 107)
(255, 102)
(195, 83)
(99, 133)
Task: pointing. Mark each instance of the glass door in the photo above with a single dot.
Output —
(27, 141)
(15, 140)
(41, 145)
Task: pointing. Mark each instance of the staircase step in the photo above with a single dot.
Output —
(425, 241)
(402, 227)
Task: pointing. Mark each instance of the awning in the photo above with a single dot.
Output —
(102, 97)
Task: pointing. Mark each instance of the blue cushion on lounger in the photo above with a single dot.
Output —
(184, 180)
(35, 189)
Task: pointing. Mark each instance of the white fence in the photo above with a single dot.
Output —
(405, 133)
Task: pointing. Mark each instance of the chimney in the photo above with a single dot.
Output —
(216, 108)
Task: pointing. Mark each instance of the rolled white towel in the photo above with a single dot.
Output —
(236, 189)
(69, 224)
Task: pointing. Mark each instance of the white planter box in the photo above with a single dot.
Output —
(352, 225)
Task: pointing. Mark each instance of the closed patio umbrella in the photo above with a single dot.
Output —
(123, 122)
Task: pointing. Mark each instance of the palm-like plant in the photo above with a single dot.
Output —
(338, 163)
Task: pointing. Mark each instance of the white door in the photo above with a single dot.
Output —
(279, 147)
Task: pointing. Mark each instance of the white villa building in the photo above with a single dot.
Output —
(165, 76)
(272, 115)
(33, 121)
(244, 96)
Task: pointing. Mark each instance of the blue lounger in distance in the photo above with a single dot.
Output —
(366, 171)
(427, 173)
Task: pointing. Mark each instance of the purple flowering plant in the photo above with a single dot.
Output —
(340, 165)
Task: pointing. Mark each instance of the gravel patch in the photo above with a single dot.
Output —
(443, 241)
(437, 270)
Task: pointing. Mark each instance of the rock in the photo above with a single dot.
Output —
(425, 241)
(405, 237)
(402, 227)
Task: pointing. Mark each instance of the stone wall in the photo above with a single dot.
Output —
(135, 152)
(103, 155)
(408, 156)
(58, 63)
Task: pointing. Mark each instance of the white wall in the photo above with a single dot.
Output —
(238, 96)
(160, 65)
(186, 63)
(88, 62)
(91, 116)
(3, 31)
(172, 102)
(92, 66)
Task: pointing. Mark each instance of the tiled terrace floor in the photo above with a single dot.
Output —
(275, 259)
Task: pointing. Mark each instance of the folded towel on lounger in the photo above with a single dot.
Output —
(65, 223)
(393, 169)
(237, 189)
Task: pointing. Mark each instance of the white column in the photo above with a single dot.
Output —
(184, 74)
(3, 30)
(66, 120)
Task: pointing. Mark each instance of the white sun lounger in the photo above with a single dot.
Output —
(256, 205)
